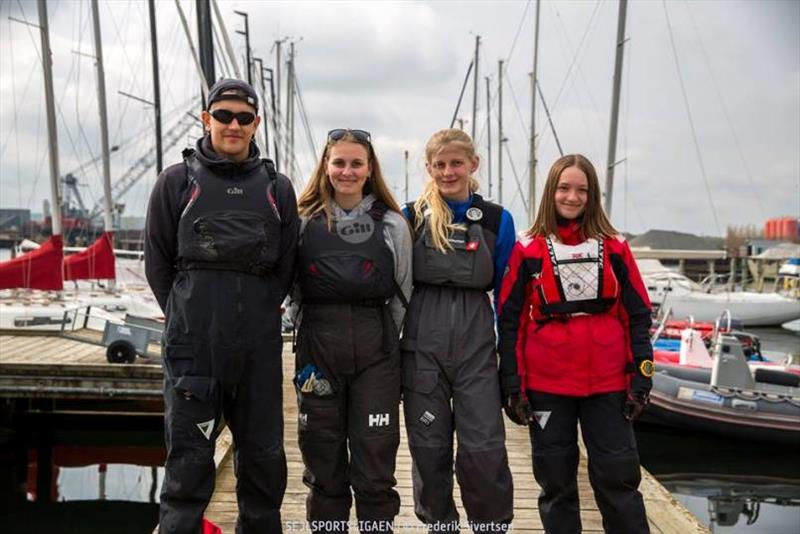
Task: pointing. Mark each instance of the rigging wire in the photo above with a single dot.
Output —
(57, 102)
(516, 179)
(304, 115)
(582, 89)
(31, 71)
(578, 50)
(691, 121)
(133, 87)
(507, 61)
(634, 206)
(721, 101)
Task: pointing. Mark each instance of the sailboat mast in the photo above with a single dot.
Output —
(612, 134)
(488, 136)
(248, 56)
(532, 157)
(475, 86)
(204, 86)
(205, 41)
(52, 134)
(101, 104)
(156, 85)
(290, 159)
(500, 131)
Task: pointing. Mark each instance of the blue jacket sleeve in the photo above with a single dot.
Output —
(506, 238)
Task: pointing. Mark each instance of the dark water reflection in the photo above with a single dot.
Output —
(731, 486)
(105, 475)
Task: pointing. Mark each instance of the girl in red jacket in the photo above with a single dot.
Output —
(574, 347)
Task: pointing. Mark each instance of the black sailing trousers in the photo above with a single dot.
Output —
(222, 360)
(614, 470)
(349, 439)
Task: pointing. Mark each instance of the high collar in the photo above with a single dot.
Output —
(459, 209)
(209, 158)
(570, 231)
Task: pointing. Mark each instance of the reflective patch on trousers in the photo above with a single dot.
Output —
(542, 418)
(427, 418)
(206, 427)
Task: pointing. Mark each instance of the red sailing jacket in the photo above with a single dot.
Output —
(578, 355)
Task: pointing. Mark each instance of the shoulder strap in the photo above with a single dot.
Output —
(412, 215)
(270, 166)
(190, 161)
(492, 213)
(378, 210)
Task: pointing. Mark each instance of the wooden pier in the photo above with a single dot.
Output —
(666, 515)
(68, 371)
(74, 371)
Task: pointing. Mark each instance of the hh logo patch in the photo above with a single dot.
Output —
(378, 419)
(427, 418)
(541, 418)
(302, 420)
(206, 428)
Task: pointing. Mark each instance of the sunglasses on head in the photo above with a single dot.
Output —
(226, 117)
(362, 136)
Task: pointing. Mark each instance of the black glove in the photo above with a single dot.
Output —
(635, 404)
(517, 409)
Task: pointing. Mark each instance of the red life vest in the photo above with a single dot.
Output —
(574, 280)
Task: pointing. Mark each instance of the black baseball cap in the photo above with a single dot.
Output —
(232, 89)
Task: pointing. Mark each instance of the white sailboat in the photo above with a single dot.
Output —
(48, 306)
(688, 298)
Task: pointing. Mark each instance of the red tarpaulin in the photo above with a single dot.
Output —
(38, 269)
(96, 261)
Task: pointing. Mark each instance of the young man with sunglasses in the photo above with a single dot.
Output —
(220, 244)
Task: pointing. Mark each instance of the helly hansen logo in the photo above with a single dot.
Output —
(235, 191)
(302, 420)
(378, 419)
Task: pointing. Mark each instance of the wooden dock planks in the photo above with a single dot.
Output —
(51, 366)
(52, 360)
(666, 515)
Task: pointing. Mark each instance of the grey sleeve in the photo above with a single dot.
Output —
(398, 238)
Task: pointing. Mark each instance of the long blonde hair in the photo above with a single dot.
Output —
(593, 221)
(431, 202)
(319, 193)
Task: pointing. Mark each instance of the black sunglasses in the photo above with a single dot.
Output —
(226, 117)
(362, 136)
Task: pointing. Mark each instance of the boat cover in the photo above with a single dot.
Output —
(37, 269)
(94, 262)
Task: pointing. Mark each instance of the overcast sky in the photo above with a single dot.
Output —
(396, 68)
